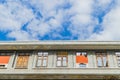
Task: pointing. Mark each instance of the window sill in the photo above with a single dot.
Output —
(3, 68)
(61, 66)
(21, 68)
(39, 67)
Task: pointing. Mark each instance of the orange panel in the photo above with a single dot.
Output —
(81, 59)
(4, 59)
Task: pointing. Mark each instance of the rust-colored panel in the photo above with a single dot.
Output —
(81, 59)
(62, 53)
(4, 59)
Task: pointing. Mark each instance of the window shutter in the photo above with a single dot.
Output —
(81, 59)
(22, 62)
(4, 59)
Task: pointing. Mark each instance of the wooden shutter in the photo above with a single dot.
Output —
(62, 54)
(22, 62)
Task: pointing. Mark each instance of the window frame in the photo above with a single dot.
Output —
(22, 54)
(42, 56)
(82, 64)
(81, 53)
(62, 55)
(118, 64)
(102, 54)
(4, 66)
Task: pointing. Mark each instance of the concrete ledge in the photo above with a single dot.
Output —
(58, 76)
(59, 45)
(90, 71)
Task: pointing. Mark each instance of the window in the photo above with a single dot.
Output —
(62, 59)
(118, 58)
(22, 60)
(102, 60)
(42, 59)
(82, 65)
(81, 59)
(4, 60)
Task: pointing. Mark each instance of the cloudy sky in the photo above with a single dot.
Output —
(59, 20)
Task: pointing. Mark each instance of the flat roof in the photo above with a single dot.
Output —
(57, 42)
(59, 45)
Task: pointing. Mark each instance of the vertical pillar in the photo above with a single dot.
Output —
(70, 60)
(74, 59)
(54, 59)
(11, 61)
(31, 60)
(91, 59)
(112, 59)
(50, 59)
(34, 57)
(94, 59)
(115, 59)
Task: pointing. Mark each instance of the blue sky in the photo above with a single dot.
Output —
(59, 20)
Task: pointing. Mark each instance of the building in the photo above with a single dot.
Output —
(60, 60)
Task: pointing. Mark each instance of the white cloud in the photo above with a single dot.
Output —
(6, 20)
(39, 28)
(82, 21)
(13, 15)
(111, 26)
(44, 26)
(81, 6)
(21, 35)
(20, 12)
(47, 7)
(103, 3)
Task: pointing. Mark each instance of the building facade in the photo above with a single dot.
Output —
(60, 60)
